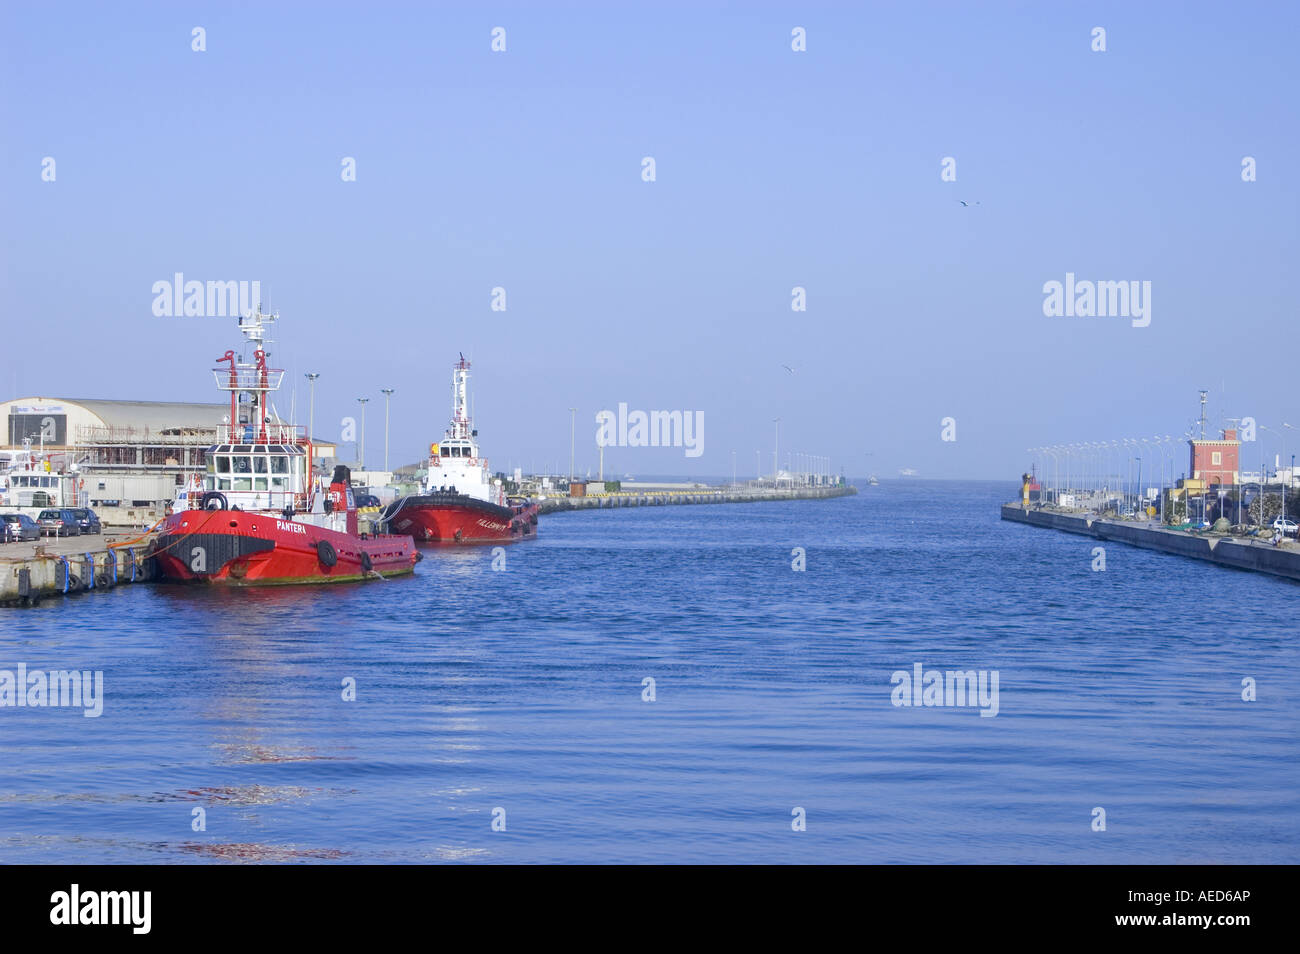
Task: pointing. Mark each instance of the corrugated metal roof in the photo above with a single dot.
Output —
(154, 415)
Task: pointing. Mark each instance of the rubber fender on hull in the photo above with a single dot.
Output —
(326, 553)
(366, 563)
(213, 497)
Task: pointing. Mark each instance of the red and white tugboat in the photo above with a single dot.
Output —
(257, 516)
(460, 501)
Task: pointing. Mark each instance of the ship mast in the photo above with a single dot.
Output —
(461, 424)
(250, 383)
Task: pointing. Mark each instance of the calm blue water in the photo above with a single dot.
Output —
(522, 690)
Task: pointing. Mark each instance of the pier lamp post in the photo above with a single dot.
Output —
(388, 393)
(1161, 481)
(1263, 473)
(1050, 482)
(758, 465)
(733, 468)
(311, 377)
(1099, 476)
(1095, 458)
(1129, 444)
(361, 455)
(572, 417)
(1115, 450)
(1290, 474)
(776, 463)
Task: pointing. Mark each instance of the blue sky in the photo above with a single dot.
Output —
(775, 169)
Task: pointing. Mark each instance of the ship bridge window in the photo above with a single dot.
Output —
(242, 465)
(243, 483)
(223, 464)
(279, 465)
(446, 452)
(259, 466)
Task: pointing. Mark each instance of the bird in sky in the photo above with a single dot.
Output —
(788, 368)
(965, 204)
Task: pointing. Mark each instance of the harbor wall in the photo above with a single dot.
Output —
(51, 570)
(1225, 550)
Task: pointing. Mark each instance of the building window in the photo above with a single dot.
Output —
(1216, 458)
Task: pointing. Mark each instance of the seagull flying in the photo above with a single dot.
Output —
(788, 368)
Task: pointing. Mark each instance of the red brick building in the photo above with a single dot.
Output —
(1216, 462)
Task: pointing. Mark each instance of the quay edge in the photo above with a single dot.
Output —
(1224, 549)
(62, 567)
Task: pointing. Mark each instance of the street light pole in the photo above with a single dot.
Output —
(572, 418)
(311, 403)
(388, 394)
(776, 464)
(362, 449)
(1290, 474)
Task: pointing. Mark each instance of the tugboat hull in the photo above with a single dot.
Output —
(452, 518)
(247, 548)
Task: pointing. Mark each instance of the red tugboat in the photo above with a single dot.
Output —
(460, 501)
(257, 516)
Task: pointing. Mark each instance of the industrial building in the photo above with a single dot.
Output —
(130, 455)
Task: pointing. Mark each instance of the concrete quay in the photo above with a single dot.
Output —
(1225, 549)
(29, 572)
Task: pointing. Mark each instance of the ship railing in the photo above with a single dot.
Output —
(248, 379)
(251, 434)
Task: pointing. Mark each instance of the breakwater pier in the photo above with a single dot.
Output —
(697, 495)
(1226, 549)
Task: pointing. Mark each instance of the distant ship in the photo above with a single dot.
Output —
(906, 472)
(460, 502)
(873, 481)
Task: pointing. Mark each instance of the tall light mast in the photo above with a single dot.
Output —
(461, 425)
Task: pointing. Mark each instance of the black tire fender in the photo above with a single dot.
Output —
(326, 553)
(212, 497)
(366, 563)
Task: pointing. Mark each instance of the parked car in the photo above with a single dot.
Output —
(1285, 525)
(18, 527)
(87, 520)
(59, 523)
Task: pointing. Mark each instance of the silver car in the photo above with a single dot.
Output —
(18, 528)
